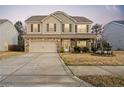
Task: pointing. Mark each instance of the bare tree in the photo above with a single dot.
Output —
(97, 30)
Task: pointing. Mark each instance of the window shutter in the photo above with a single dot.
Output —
(70, 27)
(38, 27)
(75, 28)
(55, 27)
(62, 27)
(47, 27)
(31, 27)
(87, 28)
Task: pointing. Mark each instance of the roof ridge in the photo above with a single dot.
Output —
(76, 18)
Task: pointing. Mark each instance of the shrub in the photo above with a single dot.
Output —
(77, 49)
(62, 50)
(93, 49)
(106, 46)
(15, 48)
(85, 49)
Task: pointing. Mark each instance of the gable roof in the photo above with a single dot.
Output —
(3, 21)
(76, 18)
(81, 19)
(120, 22)
(52, 16)
(36, 18)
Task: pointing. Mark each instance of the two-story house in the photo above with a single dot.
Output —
(50, 33)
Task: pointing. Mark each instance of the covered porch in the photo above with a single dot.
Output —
(65, 41)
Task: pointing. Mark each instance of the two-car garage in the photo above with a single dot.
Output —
(42, 46)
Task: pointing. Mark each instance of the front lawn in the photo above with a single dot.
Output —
(9, 54)
(104, 81)
(86, 59)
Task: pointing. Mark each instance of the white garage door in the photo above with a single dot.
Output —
(42, 47)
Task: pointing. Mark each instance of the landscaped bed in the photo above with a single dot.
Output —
(104, 81)
(9, 54)
(88, 59)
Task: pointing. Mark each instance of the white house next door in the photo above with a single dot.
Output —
(43, 46)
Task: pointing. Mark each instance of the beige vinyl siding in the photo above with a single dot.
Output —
(56, 26)
(34, 28)
(66, 20)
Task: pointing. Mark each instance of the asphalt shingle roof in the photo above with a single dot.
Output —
(120, 22)
(36, 18)
(77, 18)
(81, 19)
(3, 20)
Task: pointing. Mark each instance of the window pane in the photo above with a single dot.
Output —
(35, 28)
(66, 27)
(81, 43)
(82, 29)
(51, 27)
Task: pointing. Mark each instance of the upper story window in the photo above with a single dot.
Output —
(81, 28)
(66, 27)
(35, 27)
(51, 27)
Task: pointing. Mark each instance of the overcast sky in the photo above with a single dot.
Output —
(98, 14)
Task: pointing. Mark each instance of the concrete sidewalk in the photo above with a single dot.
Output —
(97, 70)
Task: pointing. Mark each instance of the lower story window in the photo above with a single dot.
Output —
(81, 43)
(66, 45)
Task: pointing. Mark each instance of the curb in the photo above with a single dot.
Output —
(72, 75)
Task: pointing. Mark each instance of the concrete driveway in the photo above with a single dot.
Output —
(37, 69)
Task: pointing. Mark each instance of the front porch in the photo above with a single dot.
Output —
(67, 42)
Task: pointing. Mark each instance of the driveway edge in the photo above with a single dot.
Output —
(72, 75)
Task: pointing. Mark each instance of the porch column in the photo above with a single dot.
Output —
(26, 45)
(73, 44)
(59, 45)
(90, 45)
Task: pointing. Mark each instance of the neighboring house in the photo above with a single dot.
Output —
(51, 33)
(8, 34)
(114, 34)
